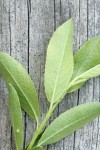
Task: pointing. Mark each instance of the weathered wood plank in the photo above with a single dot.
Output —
(83, 92)
(86, 138)
(97, 81)
(18, 21)
(41, 27)
(5, 127)
(64, 11)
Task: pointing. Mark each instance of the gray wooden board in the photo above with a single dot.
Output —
(25, 30)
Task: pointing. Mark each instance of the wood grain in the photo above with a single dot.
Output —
(25, 30)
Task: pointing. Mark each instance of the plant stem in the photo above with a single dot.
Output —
(39, 129)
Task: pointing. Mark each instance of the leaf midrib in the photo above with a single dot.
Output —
(66, 127)
(20, 89)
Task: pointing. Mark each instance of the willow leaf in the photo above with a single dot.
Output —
(85, 62)
(16, 116)
(59, 62)
(70, 121)
(79, 81)
(13, 72)
(37, 148)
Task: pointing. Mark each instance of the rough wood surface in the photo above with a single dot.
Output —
(25, 29)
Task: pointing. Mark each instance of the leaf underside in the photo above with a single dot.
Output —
(70, 121)
(86, 64)
(35, 148)
(59, 62)
(13, 72)
(16, 116)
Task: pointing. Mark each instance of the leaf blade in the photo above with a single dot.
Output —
(80, 80)
(69, 122)
(16, 116)
(85, 60)
(59, 54)
(87, 57)
(37, 148)
(13, 72)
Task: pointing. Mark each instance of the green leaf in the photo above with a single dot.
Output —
(16, 116)
(13, 72)
(35, 148)
(70, 121)
(59, 62)
(85, 60)
(79, 81)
